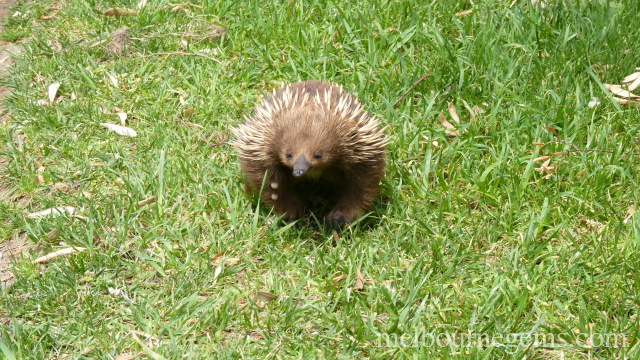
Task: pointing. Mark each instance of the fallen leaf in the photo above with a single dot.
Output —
(121, 130)
(52, 234)
(122, 116)
(593, 103)
(120, 12)
(447, 125)
(545, 168)
(55, 212)
(537, 143)
(541, 158)
(40, 179)
(634, 85)
(142, 3)
(265, 296)
(147, 201)
(215, 260)
(631, 78)
(339, 278)
(359, 285)
(56, 254)
(619, 91)
(176, 7)
(464, 12)
(626, 102)
(63, 187)
(186, 113)
(53, 90)
(475, 110)
(630, 211)
(551, 129)
(453, 113)
(114, 81)
(123, 357)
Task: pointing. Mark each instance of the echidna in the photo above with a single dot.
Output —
(308, 133)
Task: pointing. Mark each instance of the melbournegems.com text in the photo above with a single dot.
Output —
(510, 342)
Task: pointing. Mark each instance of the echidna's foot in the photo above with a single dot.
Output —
(336, 219)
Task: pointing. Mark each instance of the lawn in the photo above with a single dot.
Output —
(511, 234)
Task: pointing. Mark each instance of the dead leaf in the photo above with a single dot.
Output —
(123, 357)
(631, 78)
(120, 12)
(453, 113)
(339, 278)
(630, 211)
(56, 254)
(619, 91)
(63, 187)
(537, 143)
(265, 296)
(541, 158)
(626, 102)
(119, 41)
(446, 124)
(122, 116)
(215, 31)
(52, 234)
(147, 201)
(55, 212)
(634, 84)
(53, 90)
(215, 259)
(176, 7)
(545, 168)
(120, 130)
(551, 129)
(186, 113)
(40, 179)
(359, 285)
(464, 12)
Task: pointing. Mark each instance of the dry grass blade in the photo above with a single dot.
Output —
(56, 254)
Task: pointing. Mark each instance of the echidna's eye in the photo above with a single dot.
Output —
(289, 156)
(318, 155)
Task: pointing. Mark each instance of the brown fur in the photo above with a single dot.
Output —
(319, 132)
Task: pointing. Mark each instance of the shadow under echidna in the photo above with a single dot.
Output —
(310, 146)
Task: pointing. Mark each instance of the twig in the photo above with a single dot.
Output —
(409, 90)
(55, 254)
(182, 53)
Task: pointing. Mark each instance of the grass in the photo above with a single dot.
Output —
(467, 236)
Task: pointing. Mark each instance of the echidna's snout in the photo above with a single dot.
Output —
(301, 166)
